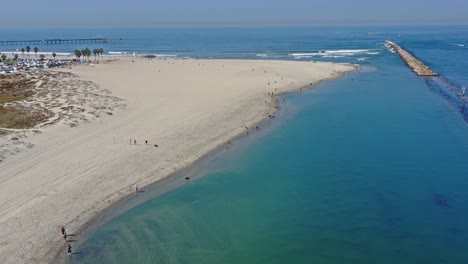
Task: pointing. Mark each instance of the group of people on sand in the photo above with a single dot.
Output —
(135, 142)
(64, 235)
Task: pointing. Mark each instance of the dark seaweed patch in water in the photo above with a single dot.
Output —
(441, 200)
(455, 231)
(449, 92)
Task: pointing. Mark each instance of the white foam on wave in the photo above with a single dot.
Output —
(303, 57)
(117, 52)
(333, 56)
(389, 48)
(310, 54)
(334, 53)
(349, 51)
(164, 55)
(460, 45)
(270, 55)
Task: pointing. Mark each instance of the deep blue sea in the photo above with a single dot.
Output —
(369, 168)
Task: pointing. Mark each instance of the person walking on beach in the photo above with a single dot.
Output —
(136, 188)
(62, 229)
(69, 249)
(134, 142)
(130, 141)
(146, 142)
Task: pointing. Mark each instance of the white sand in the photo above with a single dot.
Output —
(187, 107)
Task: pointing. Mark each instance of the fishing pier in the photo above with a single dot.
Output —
(414, 64)
(58, 41)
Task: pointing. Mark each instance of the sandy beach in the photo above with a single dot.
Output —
(84, 159)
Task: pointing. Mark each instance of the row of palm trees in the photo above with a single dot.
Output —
(4, 57)
(87, 52)
(36, 49)
(78, 53)
(28, 49)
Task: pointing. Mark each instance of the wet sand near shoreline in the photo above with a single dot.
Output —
(182, 108)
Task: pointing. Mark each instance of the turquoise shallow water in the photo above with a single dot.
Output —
(370, 168)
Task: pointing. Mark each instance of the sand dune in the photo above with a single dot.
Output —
(186, 107)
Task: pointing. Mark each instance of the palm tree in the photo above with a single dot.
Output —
(35, 51)
(4, 57)
(42, 56)
(95, 51)
(54, 54)
(16, 56)
(83, 52)
(78, 54)
(22, 51)
(88, 53)
(28, 49)
(101, 51)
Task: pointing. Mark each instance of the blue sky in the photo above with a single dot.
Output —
(152, 13)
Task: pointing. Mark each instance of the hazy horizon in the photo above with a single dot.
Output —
(237, 26)
(208, 13)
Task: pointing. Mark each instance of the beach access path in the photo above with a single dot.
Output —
(186, 107)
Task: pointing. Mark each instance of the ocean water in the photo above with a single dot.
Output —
(369, 168)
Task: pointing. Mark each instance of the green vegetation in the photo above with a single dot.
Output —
(11, 117)
(95, 52)
(77, 54)
(11, 98)
(85, 53)
(98, 53)
(15, 88)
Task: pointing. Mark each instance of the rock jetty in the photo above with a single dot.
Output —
(414, 64)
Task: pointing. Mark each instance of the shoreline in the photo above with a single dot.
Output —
(177, 178)
(113, 200)
(162, 186)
